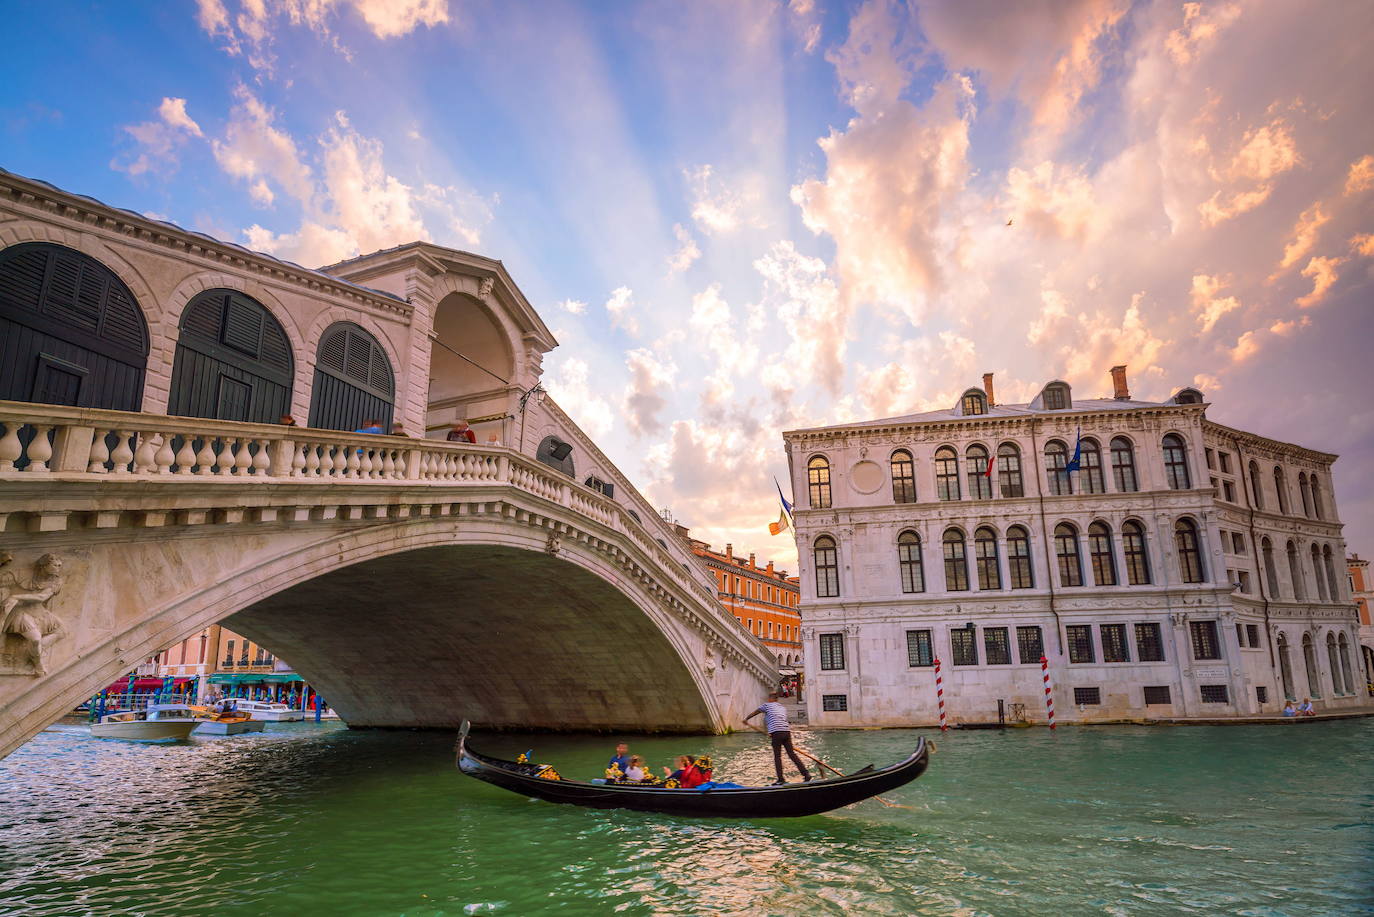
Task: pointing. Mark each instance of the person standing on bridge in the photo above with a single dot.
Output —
(780, 733)
(461, 433)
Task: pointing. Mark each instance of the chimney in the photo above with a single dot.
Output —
(770, 565)
(987, 387)
(1119, 390)
(730, 551)
(751, 558)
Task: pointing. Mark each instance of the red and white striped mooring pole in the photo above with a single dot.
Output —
(1049, 695)
(940, 695)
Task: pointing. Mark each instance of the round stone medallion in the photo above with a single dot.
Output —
(866, 477)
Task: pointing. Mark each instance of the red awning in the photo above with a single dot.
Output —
(141, 684)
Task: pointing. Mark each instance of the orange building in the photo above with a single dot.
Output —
(1362, 593)
(763, 599)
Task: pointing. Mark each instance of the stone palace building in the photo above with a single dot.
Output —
(1183, 569)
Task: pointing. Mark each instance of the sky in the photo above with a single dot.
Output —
(746, 217)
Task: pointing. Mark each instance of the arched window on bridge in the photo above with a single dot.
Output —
(70, 331)
(233, 361)
(353, 383)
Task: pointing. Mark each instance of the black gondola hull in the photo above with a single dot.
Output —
(787, 801)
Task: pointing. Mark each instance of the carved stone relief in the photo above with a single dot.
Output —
(28, 626)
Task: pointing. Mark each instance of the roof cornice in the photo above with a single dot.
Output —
(32, 194)
(983, 421)
(1255, 441)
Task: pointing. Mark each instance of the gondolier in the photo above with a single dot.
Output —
(780, 734)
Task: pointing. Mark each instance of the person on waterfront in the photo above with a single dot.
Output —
(1306, 709)
(780, 734)
(462, 433)
(635, 772)
(1289, 709)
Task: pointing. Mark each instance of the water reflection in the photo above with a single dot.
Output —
(308, 819)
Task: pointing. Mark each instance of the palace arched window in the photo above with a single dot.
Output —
(1137, 559)
(976, 467)
(903, 477)
(909, 562)
(1309, 658)
(1318, 573)
(353, 383)
(1188, 396)
(1009, 483)
(946, 473)
(818, 481)
(1285, 667)
(1271, 575)
(974, 402)
(1295, 574)
(71, 332)
(1090, 468)
(1176, 463)
(1328, 561)
(1281, 489)
(985, 553)
(1346, 675)
(827, 557)
(1256, 488)
(1018, 558)
(1189, 551)
(1333, 661)
(956, 561)
(1066, 550)
(1317, 512)
(1306, 494)
(1123, 466)
(1057, 468)
(1101, 555)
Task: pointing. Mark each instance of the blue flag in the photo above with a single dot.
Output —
(1077, 461)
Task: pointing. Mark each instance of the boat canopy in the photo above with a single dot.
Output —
(251, 678)
(143, 684)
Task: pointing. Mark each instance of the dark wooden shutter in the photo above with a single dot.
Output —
(233, 360)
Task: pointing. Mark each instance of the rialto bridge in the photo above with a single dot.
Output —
(148, 490)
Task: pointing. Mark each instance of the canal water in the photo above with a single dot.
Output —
(308, 819)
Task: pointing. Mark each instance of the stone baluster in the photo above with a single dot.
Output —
(186, 456)
(123, 453)
(243, 458)
(143, 457)
(205, 458)
(299, 451)
(262, 462)
(348, 462)
(100, 453)
(40, 450)
(312, 459)
(224, 462)
(388, 464)
(164, 457)
(10, 447)
(364, 463)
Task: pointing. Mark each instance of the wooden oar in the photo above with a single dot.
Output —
(887, 802)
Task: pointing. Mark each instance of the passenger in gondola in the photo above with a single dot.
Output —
(635, 772)
(691, 772)
(621, 759)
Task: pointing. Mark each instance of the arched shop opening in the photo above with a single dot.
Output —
(233, 361)
(354, 382)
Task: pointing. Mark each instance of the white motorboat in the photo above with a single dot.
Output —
(157, 723)
(268, 711)
(229, 727)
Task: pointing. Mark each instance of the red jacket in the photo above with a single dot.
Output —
(694, 776)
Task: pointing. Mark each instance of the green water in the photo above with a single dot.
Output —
(308, 820)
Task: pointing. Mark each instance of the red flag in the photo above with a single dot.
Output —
(992, 460)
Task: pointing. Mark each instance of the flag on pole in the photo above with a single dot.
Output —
(785, 517)
(1076, 462)
(992, 460)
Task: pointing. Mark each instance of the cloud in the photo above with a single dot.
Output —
(158, 143)
(619, 306)
(687, 251)
(1363, 244)
(804, 19)
(1361, 175)
(574, 306)
(1202, 24)
(1207, 306)
(570, 387)
(256, 150)
(1304, 236)
(645, 399)
(717, 208)
(1263, 154)
(801, 298)
(1322, 272)
(1247, 345)
(395, 18)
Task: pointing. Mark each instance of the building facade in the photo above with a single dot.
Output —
(1362, 591)
(764, 599)
(218, 661)
(1159, 563)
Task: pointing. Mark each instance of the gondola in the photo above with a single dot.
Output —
(786, 801)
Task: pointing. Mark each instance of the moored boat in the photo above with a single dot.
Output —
(221, 725)
(269, 711)
(784, 801)
(157, 723)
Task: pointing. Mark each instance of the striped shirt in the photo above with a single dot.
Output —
(775, 716)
